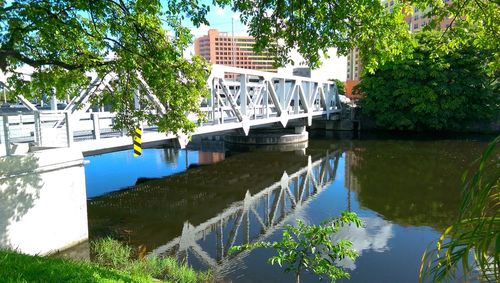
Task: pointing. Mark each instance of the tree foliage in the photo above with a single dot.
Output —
(65, 40)
(476, 231)
(310, 248)
(432, 90)
(314, 26)
(381, 34)
(480, 18)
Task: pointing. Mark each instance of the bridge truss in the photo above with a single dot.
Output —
(242, 98)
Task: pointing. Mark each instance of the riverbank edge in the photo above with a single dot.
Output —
(17, 267)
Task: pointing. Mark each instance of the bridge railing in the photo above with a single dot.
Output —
(15, 128)
(94, 126)
(51, 128)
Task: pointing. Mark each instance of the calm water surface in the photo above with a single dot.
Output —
(406, 191)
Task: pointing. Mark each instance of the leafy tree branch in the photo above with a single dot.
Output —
(311, 248)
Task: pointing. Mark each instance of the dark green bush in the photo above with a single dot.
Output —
(432, 89)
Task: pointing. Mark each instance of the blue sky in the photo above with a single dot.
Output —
(220, 18)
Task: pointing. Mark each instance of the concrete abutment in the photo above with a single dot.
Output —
(43, 202)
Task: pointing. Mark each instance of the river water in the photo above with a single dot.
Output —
(195, 204)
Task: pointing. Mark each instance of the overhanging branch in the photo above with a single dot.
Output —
(4, 54)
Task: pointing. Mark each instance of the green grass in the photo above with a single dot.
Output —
(113, 263)
(113, 254)
(16, 267)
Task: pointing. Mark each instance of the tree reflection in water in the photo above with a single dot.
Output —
(419, 180)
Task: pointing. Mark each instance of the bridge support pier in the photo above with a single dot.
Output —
(43, 201)
(270, 137)
(300, 129)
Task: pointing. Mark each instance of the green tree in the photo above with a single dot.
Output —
(63, 40)
(381, 34)
(480, 18)
(432, 90)
(314, 26)
(310, 248)
(476, 231)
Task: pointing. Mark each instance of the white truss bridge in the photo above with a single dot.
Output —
(251, 99)
(254, 218)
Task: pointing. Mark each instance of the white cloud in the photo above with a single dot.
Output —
(189, 51)
(3, 77)
(374, 236)
(331, 68)
(25, 70)
(236, 15)
(220, 12)
(200, 31)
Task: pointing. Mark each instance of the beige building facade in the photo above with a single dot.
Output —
(354, 65)
(221, 48)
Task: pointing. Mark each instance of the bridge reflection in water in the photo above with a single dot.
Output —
(151, 213)
(255, 217)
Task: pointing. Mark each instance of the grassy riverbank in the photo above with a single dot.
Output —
(113, 264)
(16, 267)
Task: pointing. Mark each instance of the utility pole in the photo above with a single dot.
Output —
(232, 40)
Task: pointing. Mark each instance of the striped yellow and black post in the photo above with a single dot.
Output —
(137, 142)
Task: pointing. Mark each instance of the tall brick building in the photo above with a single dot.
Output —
(221, 48)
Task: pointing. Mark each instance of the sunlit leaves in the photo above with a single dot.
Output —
(432, 89)
(65, 41)
(381, 33)
(315, 26)
(479, 16)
